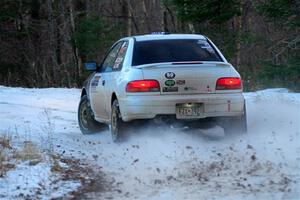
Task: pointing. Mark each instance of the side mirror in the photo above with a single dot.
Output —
(90, 66)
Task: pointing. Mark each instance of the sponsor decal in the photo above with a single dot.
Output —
(170, 83)
(190, 88)
(170, 89)
(170, 75)
(205, 45)
(118, 62)
(116, 65)
(95, 81)
(123, 49)
(180, 82)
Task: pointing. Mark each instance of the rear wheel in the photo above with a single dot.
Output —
(87, 123)
(117, 124)
(236, 124)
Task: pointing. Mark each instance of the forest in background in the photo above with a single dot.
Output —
(44, 43)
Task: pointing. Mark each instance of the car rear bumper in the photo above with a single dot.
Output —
(147, 107)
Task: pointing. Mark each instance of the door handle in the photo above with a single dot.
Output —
(103, 82)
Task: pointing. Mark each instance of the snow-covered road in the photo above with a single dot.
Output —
(165, 163)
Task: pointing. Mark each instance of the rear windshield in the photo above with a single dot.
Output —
(156, 51)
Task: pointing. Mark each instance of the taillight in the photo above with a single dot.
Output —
(143, 86)
(230, 83)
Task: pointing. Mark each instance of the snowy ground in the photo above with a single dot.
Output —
(158, 162)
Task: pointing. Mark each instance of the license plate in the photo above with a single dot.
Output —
(189, 110)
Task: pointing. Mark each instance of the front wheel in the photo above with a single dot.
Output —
(86, 121)
(117, 124)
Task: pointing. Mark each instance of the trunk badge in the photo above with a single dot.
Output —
(169, 83)
(170, 75)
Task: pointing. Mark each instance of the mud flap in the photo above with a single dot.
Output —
(236, 124)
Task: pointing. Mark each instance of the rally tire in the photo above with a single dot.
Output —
(86, 121)
(117, 125)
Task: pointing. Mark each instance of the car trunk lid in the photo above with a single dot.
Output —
(186, 77)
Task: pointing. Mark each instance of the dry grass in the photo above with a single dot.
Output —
(5, 142)
(10, 156)
(6, 153)
(65, 169)
(29, 152)
(47, 127)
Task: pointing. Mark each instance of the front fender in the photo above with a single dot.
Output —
(86, 86)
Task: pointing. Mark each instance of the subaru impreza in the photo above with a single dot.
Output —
(184, 76)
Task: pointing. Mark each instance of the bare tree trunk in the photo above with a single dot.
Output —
(239, 35)
(52, 44)
(129, 19)
(172, 18)
(191, 27)
(78, 60)
(126, 12)
(145, 12)
(164, 18)
(130, 10)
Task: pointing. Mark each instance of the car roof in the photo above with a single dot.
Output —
(167, 37)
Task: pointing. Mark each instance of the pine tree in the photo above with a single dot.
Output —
(213, 11)
(284, 68)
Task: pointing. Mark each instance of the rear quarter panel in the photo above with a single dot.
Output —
(120, 79)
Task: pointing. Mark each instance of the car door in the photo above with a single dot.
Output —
(99, 87)
(112, 79)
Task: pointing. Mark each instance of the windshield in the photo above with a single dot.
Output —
(178, 50)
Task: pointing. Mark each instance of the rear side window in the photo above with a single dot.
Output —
(108, 63)
(120, 57)
(178, 50)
